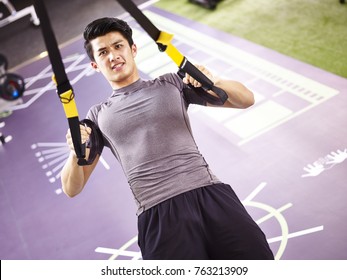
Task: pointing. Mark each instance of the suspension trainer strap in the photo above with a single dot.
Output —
(96, 140)
(163, 40)
(64, 88)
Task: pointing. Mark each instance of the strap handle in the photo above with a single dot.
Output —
(95, 143)
(206, 83)
(64, 88)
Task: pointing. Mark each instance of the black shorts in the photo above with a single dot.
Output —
(205, 223)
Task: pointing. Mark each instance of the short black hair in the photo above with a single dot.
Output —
(101, 27)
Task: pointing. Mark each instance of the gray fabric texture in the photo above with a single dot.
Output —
(147, 128)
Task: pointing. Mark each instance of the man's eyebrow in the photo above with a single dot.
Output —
(114, 43)
(101, 49)
(118, 41)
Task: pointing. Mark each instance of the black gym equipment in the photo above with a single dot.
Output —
(3, 64)
(66, 93)
(12, 86)
(14, 14)
(208, 4)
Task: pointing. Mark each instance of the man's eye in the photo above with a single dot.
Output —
(102, 53)
(118, 46)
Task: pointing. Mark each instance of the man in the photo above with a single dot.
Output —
(184, 211)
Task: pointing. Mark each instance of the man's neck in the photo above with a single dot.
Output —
(128, 81)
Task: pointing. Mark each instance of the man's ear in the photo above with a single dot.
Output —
(95, 66)
(134, 50)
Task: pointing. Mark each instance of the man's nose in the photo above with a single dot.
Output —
(114, 55)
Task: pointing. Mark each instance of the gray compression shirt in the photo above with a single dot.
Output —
(146, 126)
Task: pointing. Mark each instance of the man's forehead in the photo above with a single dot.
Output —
(108, 39)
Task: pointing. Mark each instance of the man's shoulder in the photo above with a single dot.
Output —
(167, 76)
(171, 78)
(93, 111)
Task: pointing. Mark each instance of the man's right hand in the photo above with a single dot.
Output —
(85, 133)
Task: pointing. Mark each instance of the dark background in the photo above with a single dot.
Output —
(21, 41)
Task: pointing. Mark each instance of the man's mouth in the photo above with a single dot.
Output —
(117, 66)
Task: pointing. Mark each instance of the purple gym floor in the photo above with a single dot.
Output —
(285, 157)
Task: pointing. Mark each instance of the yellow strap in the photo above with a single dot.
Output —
(68, 101)
(70, 107)
(54, 80)
(174, 54)
(165, 39)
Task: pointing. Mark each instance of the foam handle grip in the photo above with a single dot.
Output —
(80, 148)
(197, 74)
(206, 83)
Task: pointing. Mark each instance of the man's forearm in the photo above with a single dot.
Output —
(238, 95)
(72, 176)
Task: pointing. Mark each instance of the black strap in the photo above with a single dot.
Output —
(136, 13)
(163, 41)
(95, 143)
(207, 85)
(202, 93)
(64, 88)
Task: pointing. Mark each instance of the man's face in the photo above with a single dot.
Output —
(114, 58)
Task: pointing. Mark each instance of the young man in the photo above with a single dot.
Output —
(184, 211)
